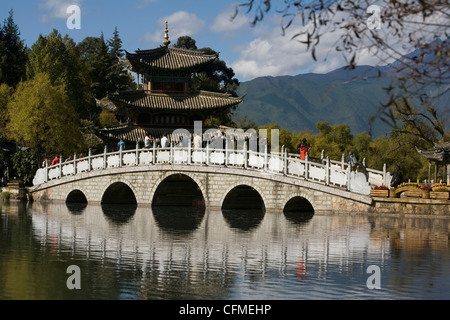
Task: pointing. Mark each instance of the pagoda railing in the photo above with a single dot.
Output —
(320, 170)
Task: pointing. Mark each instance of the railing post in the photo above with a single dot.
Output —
(343, 161)
(89, 160)
(120, 155)
(385, 183)
(307, 166)
(226, 152)
(137, 153)
(327, 175)
(265, 158)
(154, 152)
(60, 166)
(285, 162)
(189, 151)
(207, 155)
(245, 155)
(349, 170)
(74, 163)
(171, 153)
(104, 157)
(46, 171)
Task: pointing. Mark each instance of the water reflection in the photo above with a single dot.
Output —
(119, 213)
(175, 219)
(76, 208)
(147, 255)
(243, 219)
(299, 217)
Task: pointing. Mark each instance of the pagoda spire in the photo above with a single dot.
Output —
(166, 41)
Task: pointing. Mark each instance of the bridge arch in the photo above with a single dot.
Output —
(182, 185)
(298, 208)
(119, 192)
(76, 196)
(242, 190)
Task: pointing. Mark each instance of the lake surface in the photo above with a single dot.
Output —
(130, 252)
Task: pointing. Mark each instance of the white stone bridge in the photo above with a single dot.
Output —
(217, 178)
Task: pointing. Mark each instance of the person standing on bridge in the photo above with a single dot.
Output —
(164, 141)
(197, 141)
(121, 145)
(55, 161)
(147, 142)
(352, 161)
(303, 148)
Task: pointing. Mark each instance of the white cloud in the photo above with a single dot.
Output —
(56, 9)
(181, 23)
(224, 22)
(271, 54)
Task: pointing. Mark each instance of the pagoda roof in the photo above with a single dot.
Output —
(439, 153)
(201, 100)
(166, 58)
(130, 132)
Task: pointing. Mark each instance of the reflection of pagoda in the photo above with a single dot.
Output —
(166, 101)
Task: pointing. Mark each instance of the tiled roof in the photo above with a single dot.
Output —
(202, 100)
(135, 133)
(168, 58)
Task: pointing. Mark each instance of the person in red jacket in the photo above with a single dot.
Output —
(303, 148)
(55, 161)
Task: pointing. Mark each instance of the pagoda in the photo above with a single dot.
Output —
(166, 101)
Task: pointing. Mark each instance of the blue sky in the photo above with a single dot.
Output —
(250, 51)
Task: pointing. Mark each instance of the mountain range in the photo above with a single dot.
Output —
(297, 103)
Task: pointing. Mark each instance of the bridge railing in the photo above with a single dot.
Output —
(323, 170)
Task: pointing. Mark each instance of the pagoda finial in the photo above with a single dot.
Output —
(166, 41)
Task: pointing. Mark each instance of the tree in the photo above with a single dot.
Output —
(25, 164)
(102, 60)
(5, 94)
(119, 78)
(385, 30)
(61, 60)
(95, 54)
(13, 53)
(186, 42)
(215, 76)
(41, 117)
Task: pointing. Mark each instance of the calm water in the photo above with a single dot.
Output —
(127, 252)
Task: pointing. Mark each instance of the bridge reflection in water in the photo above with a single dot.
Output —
(173, 253)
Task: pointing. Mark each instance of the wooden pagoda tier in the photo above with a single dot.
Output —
(154, 113)
(166, 63)
(174, 101)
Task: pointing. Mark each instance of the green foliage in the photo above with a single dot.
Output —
(13, 53)
(60, 59)
(101, 58)
(337, 140)
(5, 95)
(25, 164)
(42, 117)
(107, 119)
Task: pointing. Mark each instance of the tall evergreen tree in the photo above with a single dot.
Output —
(13, 53)
(102, 59)
(120, 79)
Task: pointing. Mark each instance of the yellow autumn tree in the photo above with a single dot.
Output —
(40, 116)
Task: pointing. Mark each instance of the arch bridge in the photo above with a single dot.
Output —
(208, 177)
